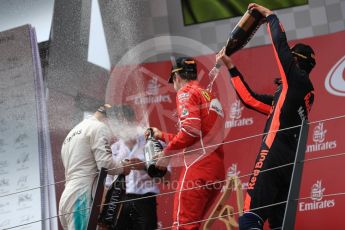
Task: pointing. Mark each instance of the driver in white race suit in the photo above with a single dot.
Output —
(85, 150)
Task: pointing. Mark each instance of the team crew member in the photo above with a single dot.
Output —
(201, 122)
(288, 107)
(85, 150)
(140, 212)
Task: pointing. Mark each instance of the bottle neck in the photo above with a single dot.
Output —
(151, 134)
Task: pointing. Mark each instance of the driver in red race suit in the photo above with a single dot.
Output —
(199, 139)
(288, 107)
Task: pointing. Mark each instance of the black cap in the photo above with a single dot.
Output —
(103, 108)
(186, 66)
(305, 56)
(118, 112)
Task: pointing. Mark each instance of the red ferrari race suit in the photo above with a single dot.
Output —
(200, 137)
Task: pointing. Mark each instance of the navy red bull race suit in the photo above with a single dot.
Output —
(290, 104)
(201, 132)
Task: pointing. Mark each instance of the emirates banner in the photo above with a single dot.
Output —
(154, 101)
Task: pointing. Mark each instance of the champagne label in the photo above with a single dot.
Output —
(243, 31)
(246, 23)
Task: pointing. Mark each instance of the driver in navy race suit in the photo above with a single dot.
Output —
(287, 107)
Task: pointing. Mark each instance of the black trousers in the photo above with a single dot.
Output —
(271, 187)
(139, 214)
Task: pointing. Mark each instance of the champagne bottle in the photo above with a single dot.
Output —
(113, 206)
(244, 31)
(152, 147)
(239, 37)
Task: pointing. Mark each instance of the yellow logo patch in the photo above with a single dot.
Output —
(205, 94)
(189, 62)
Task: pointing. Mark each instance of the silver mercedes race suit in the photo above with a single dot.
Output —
(84, 151)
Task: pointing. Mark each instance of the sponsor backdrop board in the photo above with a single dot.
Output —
(25, 161)
(154, 100)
